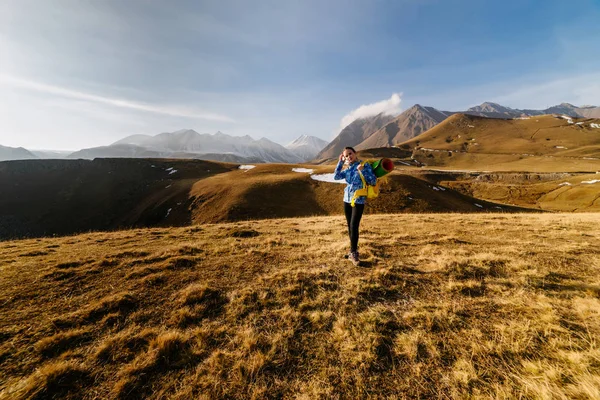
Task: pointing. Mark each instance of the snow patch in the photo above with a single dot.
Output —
(327, 178)
(565, 184)
(168, 169)
(172, 172)
(597, 126)
(168, 212)
(306, 170)
(478, 205)
(166, 187)
(246, 168)
(560, 147)
(591, 182)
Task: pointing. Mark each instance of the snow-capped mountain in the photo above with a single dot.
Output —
(306, 147)
(194, 144)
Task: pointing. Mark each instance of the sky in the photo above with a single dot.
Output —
(83, 73)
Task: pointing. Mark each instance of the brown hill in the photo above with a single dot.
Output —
(274, 191)
(445, 306)
(542, 143)
(405, 126)
(47, 197)
(563, 192)
(353, 134)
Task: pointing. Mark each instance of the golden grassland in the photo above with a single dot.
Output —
(538, 144)
(578, 193)
(444, 306)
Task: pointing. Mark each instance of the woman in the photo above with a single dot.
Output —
(352, 176)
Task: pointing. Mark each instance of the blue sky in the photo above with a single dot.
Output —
(84, 73)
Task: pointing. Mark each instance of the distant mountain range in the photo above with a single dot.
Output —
(15, 153)
(365, 133)
(385, 131)
(190, 144)
(493, 110)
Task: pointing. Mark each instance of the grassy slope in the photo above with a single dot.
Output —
(540, 144)
(274, 191)
(446, 306)
(70, 196)
(570, 194)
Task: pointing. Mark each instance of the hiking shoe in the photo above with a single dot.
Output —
(347, 255)
(354, 258)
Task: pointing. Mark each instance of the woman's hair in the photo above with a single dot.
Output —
(350, 148)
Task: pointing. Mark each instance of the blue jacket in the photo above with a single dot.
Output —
(353, 180)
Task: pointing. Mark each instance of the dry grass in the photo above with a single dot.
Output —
(561, 192)
(445, 306)
(541, 144)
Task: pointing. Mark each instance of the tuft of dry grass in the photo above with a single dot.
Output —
(444, 306)
(64, 380)
(169, 351)
(56, 344)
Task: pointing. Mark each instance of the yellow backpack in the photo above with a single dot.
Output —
(370, 192)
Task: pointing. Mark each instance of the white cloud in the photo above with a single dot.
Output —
(175, 111)
(390, 106)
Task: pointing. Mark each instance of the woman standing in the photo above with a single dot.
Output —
(354, 182)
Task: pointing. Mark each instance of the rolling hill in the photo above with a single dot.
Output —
(49, 197)
(542, 143)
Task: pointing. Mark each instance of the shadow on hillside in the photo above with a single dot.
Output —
(62, 197)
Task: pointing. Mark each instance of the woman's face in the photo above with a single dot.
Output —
(349, 156)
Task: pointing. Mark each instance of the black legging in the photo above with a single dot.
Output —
(353, 216)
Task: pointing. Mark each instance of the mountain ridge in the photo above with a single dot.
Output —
(354, 133)
(183, 142)
(410, 123)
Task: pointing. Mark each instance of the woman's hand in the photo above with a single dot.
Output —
(342, 157)
(360, 167)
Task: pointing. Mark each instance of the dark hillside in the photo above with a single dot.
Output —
(42, 197)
